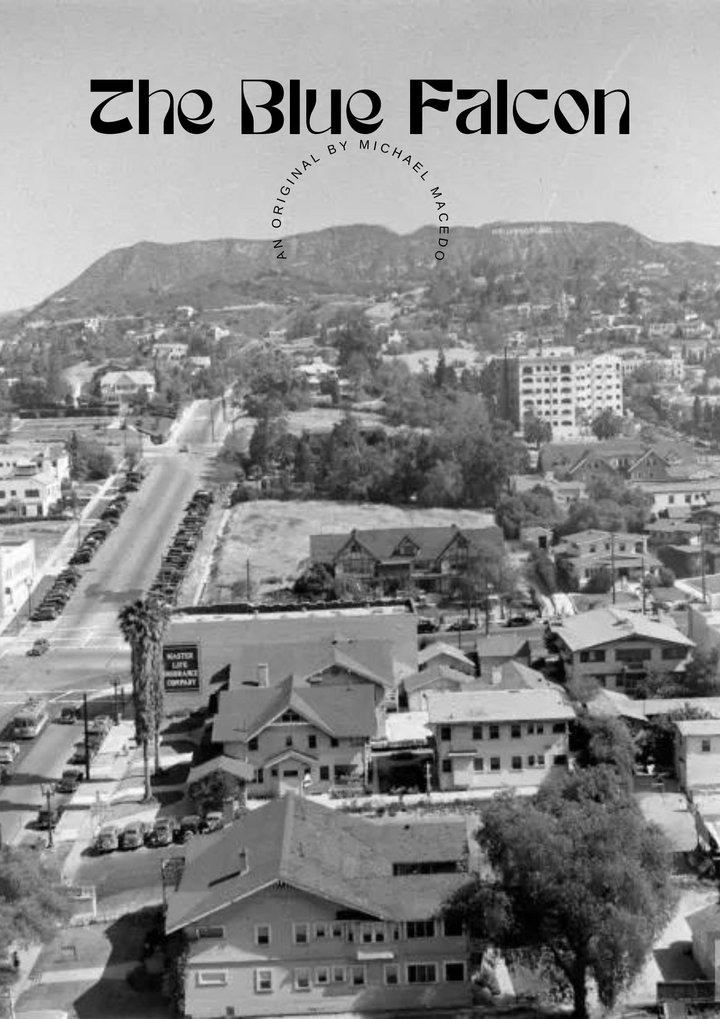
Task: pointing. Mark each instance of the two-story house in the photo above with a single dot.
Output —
(299, 909)
(697, 752)
(429, 558)
(297, 736)
(491, 739)
(616, 648)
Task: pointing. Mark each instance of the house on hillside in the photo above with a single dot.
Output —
(120, 387)
(616, 648)
(492, 739)
(300, 909)
(429, 558)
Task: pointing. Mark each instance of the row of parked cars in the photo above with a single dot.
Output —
(56, 598)
(178, 555)
(163, 832)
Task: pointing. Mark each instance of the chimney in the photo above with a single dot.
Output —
(496, 675)
(263, 677)
(243, 860)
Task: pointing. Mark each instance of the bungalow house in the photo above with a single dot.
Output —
(297, 736)
(492, 739)
(498, 648)
(299, 909)
(429, 558)
(697, 752)
(119, 387)
(615, 647)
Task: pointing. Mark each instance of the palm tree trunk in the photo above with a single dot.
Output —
(146, 769)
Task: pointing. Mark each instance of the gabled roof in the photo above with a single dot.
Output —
(322, 852)
(382, 543)
(513, 675)
(230, 765)
(609, 625)
(503, 645)
(336, 710)
(368, 659)
(498, 706)
(441, 649)
(438, 673)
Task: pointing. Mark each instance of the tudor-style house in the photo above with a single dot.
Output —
(497, 738)
(298, 736)
(299, 909)
(429, 558)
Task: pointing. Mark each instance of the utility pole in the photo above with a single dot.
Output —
(115, 699)
(48, 791)
(212, 420)
(642, 582)
(612, 564)
(247, 580)
(702, 564)
(87, 737)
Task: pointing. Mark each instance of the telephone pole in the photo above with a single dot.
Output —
(612, 564)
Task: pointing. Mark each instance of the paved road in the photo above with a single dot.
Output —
(134, 872)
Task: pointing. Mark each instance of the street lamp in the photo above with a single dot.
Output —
(48, 791)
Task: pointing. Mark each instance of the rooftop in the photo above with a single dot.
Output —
(605, 626)
(699, 726)
(499, 706)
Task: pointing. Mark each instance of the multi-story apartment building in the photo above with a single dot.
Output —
(299, 909)
(494, 738)
(559, 387)
(17, 573)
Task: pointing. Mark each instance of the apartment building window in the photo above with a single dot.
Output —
(705, 746)
(446, 767)
(322, 976)
(263, 934)
(445, 733)
(494, 764)
(478, 764)
(312, 742)
(420, 929)
(392, 974)
(516, 764)
(422, 973)
(477, 732)
(338, 974)
(263, 981)
(633, 654)
(494, 732)
(211, 978)
(541, 760)
(516, 731)
(454, 972)
(531, 761)
(301, 933)
(357, 976)
(211, 932)
(558, 727)
(301, 979)
(531, 728)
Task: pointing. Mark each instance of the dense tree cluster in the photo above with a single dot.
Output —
(33, 904)
(89, 459)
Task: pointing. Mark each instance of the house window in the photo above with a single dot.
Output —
(454, 972)
(211, 932)
(531, 761)
(516, 730)
(337, 931)
(334, 742)
(516, 764)
(321, 930)
(322, 976)
(494, 732)
(301, 933)
(338, 974)
(494, 764)
(531, 728)
(539, 728)
(259, 776)
(541, 760)
(477, 732)
(478, 764)
(633, 654)
(420, 929)
(558, 727)
(447, 767)
(312, 741)
(671, 654)
(288, 741)
(263, 981)
(592, 656)
(357, 976)
(392, 974)
(324, 773)
(262, 934)
(422, 973)
(211, 978)
(705, 746)
(301, 979)
(445, 733)
(452, 927)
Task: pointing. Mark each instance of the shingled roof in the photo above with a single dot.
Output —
(381, 543)
(369, 659)
(319, 851)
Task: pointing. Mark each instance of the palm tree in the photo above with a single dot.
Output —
(142, 623)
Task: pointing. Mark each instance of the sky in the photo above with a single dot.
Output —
(69, 194)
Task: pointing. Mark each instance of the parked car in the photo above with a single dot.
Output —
(8, 752)
(67, 784)
(214, 820)
(461, 624)
(70, 713)
(427, 625)
(108, 839)
(100, 725)
(48, 818)
(41, 645)
(188, 827)
(521, 620)
(133, 835)
(162, 832)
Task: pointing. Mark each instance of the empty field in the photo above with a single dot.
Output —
(272, 538)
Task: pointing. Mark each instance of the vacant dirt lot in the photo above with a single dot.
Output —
(274, 537)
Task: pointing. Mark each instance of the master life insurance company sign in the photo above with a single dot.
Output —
(181, 668)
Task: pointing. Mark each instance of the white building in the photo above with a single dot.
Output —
(17, 573)
(119, 387)
(553, 384)
(697, 752)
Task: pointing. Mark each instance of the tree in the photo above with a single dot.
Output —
(607, 424)
(606, 741)
(33, 904)
(537, 431)
(581, 885)
(142, 624)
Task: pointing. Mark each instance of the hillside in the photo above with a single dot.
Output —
(362, 260)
